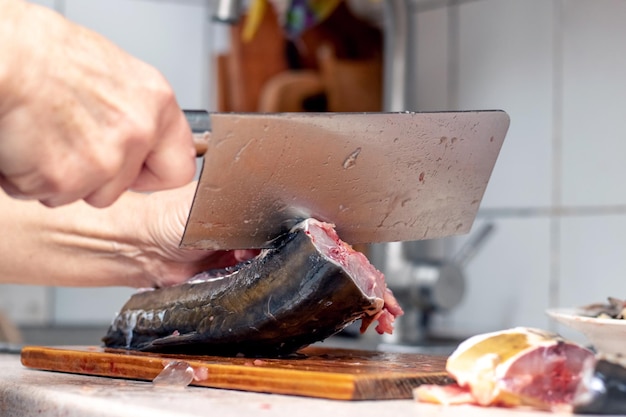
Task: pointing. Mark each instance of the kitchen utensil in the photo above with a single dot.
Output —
(340, 374)
(379, 177)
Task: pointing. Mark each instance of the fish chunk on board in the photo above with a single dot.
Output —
(531, 368)
(310, 286)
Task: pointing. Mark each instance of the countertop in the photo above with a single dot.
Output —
(25, 392)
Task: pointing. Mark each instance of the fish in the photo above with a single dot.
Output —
(603, 387)
(531, 368)
(309, 286)
(515, 367)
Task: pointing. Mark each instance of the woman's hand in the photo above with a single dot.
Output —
(79, 117)
(165, 224)
(134, 242)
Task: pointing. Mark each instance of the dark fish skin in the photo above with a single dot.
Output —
(285, 299)
(608, 391)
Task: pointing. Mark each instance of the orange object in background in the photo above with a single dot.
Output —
(334, 66)
(244, 70)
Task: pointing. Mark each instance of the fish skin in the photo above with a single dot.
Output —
(605, 388)
(283, 300)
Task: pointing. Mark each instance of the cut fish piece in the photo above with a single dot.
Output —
(520, 366)
(309, 287)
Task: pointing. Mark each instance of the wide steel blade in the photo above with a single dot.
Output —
(379, 177)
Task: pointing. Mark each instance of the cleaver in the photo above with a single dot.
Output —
(378, 177)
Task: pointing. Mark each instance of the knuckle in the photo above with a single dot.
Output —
(34, 182)
(160, 87)
(58, 181)
(163, 96)
(106, 168)
(138, 129)
(145, 131)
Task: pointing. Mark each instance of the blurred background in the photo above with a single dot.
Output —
(556, 202)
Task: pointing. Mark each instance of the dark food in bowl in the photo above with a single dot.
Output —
(614, 309)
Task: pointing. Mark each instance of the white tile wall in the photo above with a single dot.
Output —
(172, 36)
(594, 113)
(594, 265)
(507, 280)
(504, 61)
(431, 54)
(557, 67)
(85, 306)
(26, 304)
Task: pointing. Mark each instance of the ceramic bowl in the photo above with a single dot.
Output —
(605, 335)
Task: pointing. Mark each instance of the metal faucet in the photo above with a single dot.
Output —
(425, 286)
(398, 55)
(228, 11)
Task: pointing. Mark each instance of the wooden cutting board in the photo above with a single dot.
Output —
(339, 374)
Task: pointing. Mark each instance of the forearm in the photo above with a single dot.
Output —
(75, 245)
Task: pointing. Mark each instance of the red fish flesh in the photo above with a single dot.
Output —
(520, 366)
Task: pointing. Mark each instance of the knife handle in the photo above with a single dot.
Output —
(200, 125)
